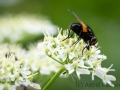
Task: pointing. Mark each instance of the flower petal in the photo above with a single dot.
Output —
(34, 85)
(70, 68)
(82, 71)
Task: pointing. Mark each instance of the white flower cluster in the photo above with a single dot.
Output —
(18, 66)
(72, 59)
(13, 72)
(14, 28)
(37, 61)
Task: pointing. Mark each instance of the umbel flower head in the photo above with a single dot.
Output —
(13, 71)
(71, 58)
(19, 27)
(38, 62)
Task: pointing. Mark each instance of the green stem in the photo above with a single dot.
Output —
(54, 59)
(52, 80)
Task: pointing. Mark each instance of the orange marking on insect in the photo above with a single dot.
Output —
(84, 27)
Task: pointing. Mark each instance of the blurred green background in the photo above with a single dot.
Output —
(103, 16)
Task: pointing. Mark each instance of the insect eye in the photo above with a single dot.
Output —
(94, 41)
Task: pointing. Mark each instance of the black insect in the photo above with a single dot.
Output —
(84, 32)
(9, 54)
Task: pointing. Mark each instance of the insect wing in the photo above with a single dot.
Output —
(83, 25)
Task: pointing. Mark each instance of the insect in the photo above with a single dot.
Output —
(9, 54)
(84, 32)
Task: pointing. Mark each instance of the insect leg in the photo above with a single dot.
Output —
(84, 49)
(68, 35)
(87, 46)
(77, 40)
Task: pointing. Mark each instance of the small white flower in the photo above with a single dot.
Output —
(78, 67)
(82, 71)
(70, 68)
(102, 74)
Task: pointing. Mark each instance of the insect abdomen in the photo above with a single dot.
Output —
(76, 28)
